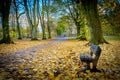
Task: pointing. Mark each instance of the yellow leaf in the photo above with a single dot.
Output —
(73, 75)
(88, 71)
(58, 77)
(51, 76)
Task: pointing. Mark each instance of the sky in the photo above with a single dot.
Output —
(119, 1)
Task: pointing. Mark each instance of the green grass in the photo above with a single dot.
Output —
(112, 37)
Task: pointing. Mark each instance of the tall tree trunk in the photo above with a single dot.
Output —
(17, 19)
(49, 30)
(28, 17)
(34, 28)
(5, 21)
(43, 26)
(42, 20)
(96, 35)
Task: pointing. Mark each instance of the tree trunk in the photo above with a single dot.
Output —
(43, 31)
(96, 35)
(43, 27)
(13, 23)
(28, 17)
(49, 30)
(78, 28)
(34, 33)
(17, 20)
(34, 27)
(5, 21)
(33, 21)
(5, 27)
(18, 29)
(42, 20)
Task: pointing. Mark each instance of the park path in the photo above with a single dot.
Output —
(18, 55)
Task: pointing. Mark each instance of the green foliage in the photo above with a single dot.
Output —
(25, 32)
(109, 11)
(110, 24)
(56, 8)
(13, 34)
(60, 29)
(63, 24)
(84, 35)
(87, 33)
(81, 37)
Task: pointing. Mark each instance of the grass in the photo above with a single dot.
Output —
(112, 37)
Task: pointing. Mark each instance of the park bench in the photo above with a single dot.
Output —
(95, 51)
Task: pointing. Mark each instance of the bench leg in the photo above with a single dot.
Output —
(94, 68)
(87, 66)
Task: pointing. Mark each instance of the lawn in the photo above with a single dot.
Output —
(112, 37)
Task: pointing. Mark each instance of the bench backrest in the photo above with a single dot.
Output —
(95, 49)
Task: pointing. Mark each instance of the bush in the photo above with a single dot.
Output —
(81, 37)
(84, 34)
(13, 34)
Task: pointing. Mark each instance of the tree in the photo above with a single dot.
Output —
(75, 14)
(32, 17)
(16, 8)
(42, 19)
(5, 9)
(60, 27)
(48, 20)
(64, 25)
(90, 9)
(109, 13)
(74, 11)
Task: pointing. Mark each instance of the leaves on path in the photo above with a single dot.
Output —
(56, 61)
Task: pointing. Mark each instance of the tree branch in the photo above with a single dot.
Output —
(21, 14)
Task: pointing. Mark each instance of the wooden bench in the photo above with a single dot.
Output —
(95, 51)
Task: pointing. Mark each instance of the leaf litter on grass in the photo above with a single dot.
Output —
(57, 61)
